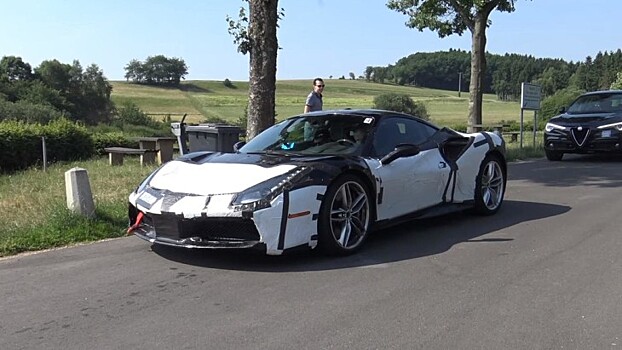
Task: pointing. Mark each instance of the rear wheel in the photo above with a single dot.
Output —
(344, 216)
(490, 186)
(554, 155)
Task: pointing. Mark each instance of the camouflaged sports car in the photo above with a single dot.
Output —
(322, 179)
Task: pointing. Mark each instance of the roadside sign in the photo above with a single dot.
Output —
(530, 96)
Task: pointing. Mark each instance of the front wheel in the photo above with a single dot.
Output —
(490, 186)
(553, 155)
(345, 216)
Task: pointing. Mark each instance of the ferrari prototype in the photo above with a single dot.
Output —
(591, 124)
(319, 180)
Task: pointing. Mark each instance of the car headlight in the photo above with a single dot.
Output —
(550, 127)
(617, 126)
(260, 195)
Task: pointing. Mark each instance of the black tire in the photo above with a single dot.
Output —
(489, 186)
(345, 216)
(554, 156)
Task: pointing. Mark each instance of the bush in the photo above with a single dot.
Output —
(228, 84)
(401, 103)
(215, 120)
(21, 145)
(131, 114)
(28, 112)
(111, 139)
(562, 98)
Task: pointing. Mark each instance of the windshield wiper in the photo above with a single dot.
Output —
(277, 153)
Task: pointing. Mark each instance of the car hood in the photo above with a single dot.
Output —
(204, 173)
(594, 119)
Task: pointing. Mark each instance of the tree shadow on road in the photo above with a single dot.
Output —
(412, 240)
(599, 170)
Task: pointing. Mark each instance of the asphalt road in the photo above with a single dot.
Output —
(544, 273)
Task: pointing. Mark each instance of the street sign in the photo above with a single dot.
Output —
(530, 96)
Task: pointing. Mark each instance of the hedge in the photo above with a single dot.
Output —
(21, 144)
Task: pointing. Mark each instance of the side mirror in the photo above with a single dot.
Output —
(562, 110)
(238, 145)
(400, 151)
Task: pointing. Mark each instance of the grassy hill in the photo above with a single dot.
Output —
(201, 99)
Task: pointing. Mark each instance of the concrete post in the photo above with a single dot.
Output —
(78, 190)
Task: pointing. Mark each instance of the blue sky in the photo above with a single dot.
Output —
(318, 37)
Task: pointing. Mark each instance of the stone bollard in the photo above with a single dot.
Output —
(78, 190)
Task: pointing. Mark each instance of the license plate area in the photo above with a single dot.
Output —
(168, 226)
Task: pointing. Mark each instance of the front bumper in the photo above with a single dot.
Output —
(289, 222)
(593, 142)
(200, 232)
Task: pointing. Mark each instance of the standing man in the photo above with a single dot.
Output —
(314, 100)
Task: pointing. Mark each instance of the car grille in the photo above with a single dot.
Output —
(580, 135)
(207, 228)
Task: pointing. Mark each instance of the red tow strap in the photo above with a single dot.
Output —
(139, 219)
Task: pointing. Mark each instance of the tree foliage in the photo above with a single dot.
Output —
(130, 113)
(617, 84)
(13, 68)
(401, 103)
(447, 17)
(551, 105)
(156, 70)
(54, 86)
(505, 73)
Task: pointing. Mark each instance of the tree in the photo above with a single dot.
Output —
(368, 72)
(617, 84)
(55, 75)
(401, 103)
(255, 34)
(94, 103)
(13, 68)
(352, 76)
(85, 94)
(134, 71)
(157, 70)
(448, 17)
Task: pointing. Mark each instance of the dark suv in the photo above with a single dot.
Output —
(592, 123)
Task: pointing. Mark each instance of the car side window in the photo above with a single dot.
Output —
(398, 130)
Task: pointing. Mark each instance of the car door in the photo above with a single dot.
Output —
(410, 183)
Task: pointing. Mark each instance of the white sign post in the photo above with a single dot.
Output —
(530, 96)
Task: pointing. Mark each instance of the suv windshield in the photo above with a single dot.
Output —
(313, 134)
(596, 103)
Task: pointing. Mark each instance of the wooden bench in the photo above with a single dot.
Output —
(480, 127)
(115, 155)
(163, 146)
(513, 135)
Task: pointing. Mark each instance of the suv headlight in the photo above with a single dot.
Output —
(617, 126)
(259, 196)
(550, 127)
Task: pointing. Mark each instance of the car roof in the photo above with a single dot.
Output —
(365, 112)
(602, 92)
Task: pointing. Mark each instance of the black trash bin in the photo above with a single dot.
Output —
(212, 137)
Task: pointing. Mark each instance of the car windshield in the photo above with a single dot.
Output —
(596, 103)
(313, 134)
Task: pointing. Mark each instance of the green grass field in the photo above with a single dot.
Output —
(204, 99)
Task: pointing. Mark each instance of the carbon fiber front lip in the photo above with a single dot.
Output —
(196, 242)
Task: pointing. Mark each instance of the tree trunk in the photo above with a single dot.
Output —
(478, 71)
(263, 50)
